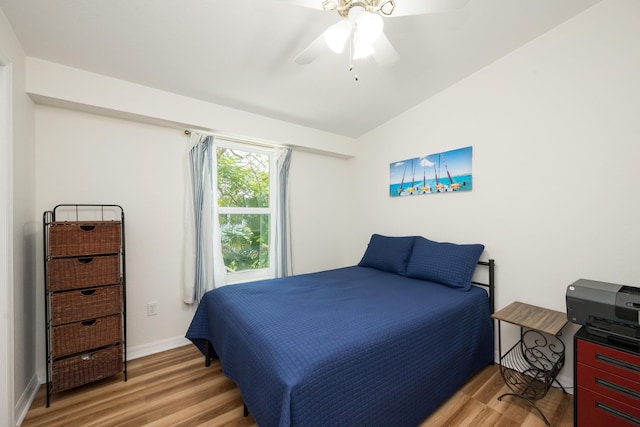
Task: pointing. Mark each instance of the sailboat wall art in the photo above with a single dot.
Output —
(446, 172)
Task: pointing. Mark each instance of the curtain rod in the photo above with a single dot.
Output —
(240, 139)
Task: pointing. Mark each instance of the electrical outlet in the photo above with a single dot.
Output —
(152, 308)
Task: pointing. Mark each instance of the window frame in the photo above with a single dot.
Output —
(259, 273)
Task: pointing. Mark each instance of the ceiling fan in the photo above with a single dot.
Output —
(361, 26)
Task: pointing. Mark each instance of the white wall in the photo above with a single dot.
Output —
(18, 288)
(59, 85)
(87, 158)
(319, 192)
(554, 128)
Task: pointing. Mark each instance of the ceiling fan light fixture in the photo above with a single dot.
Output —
(387, 7)
(361, 47)
(329, 5)
(369, 26)
(337, 35)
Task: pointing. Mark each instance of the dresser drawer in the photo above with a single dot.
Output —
(83, 272)
(74, 306)
(84, 238)
(607, 384)
(595, 409)
(608, 359)
(87, 335)
(85, 368)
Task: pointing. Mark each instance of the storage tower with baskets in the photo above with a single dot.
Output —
(85, 298)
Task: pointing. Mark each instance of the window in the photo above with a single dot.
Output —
(245, 210)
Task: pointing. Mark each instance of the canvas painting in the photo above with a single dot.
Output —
(445, 172)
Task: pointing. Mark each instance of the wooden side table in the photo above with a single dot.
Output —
(530, 367)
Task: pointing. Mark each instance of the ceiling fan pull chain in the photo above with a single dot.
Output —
(351, 59)
(351, 69)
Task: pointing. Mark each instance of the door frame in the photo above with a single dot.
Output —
(7, 398)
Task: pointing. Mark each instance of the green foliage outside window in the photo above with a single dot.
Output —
(243, 182)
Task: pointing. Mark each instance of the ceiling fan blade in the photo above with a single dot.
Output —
(385, 54)
(311, 52)
(313, 4)
(420, 7)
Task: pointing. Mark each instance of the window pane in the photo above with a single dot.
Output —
(243, 178)
(245, 241)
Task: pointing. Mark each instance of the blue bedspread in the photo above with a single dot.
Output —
(349, 347)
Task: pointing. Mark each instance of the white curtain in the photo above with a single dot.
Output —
(282, 228)
(203, 264)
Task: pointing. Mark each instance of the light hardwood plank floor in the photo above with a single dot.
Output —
(173, 388)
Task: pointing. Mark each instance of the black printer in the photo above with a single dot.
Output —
(605, 309)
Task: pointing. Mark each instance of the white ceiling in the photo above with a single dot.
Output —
(239, 53)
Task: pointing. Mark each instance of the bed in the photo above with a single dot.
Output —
(382, 343)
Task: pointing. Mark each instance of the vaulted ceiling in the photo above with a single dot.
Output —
(240, 53)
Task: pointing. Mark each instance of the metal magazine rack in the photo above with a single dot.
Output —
(531, 366)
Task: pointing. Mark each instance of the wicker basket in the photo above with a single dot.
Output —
(81, 238)
(74, 306)
(84, 272)
(88, 367)
(80, 336)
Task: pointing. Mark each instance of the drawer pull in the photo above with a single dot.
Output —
(89, 322)
(85, 260)
(88, 292)
(617, 413)
(619, 363)
(618, 388)
(87, 356)
(87, 227)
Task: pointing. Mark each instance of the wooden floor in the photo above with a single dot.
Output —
(174, 388)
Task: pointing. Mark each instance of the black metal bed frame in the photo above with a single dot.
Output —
(491, 285)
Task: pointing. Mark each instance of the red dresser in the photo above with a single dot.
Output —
(607, 382)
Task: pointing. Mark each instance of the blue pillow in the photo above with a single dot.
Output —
(389, 254)
(446, 263)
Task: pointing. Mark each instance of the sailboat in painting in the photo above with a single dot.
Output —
(400, 190)
(425, 188)
(453, 186)
(411, 189)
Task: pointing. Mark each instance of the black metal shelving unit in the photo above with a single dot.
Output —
(82, 213)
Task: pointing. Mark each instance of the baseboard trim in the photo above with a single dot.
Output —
(156, 347)
(567, 383)
(26, 399)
